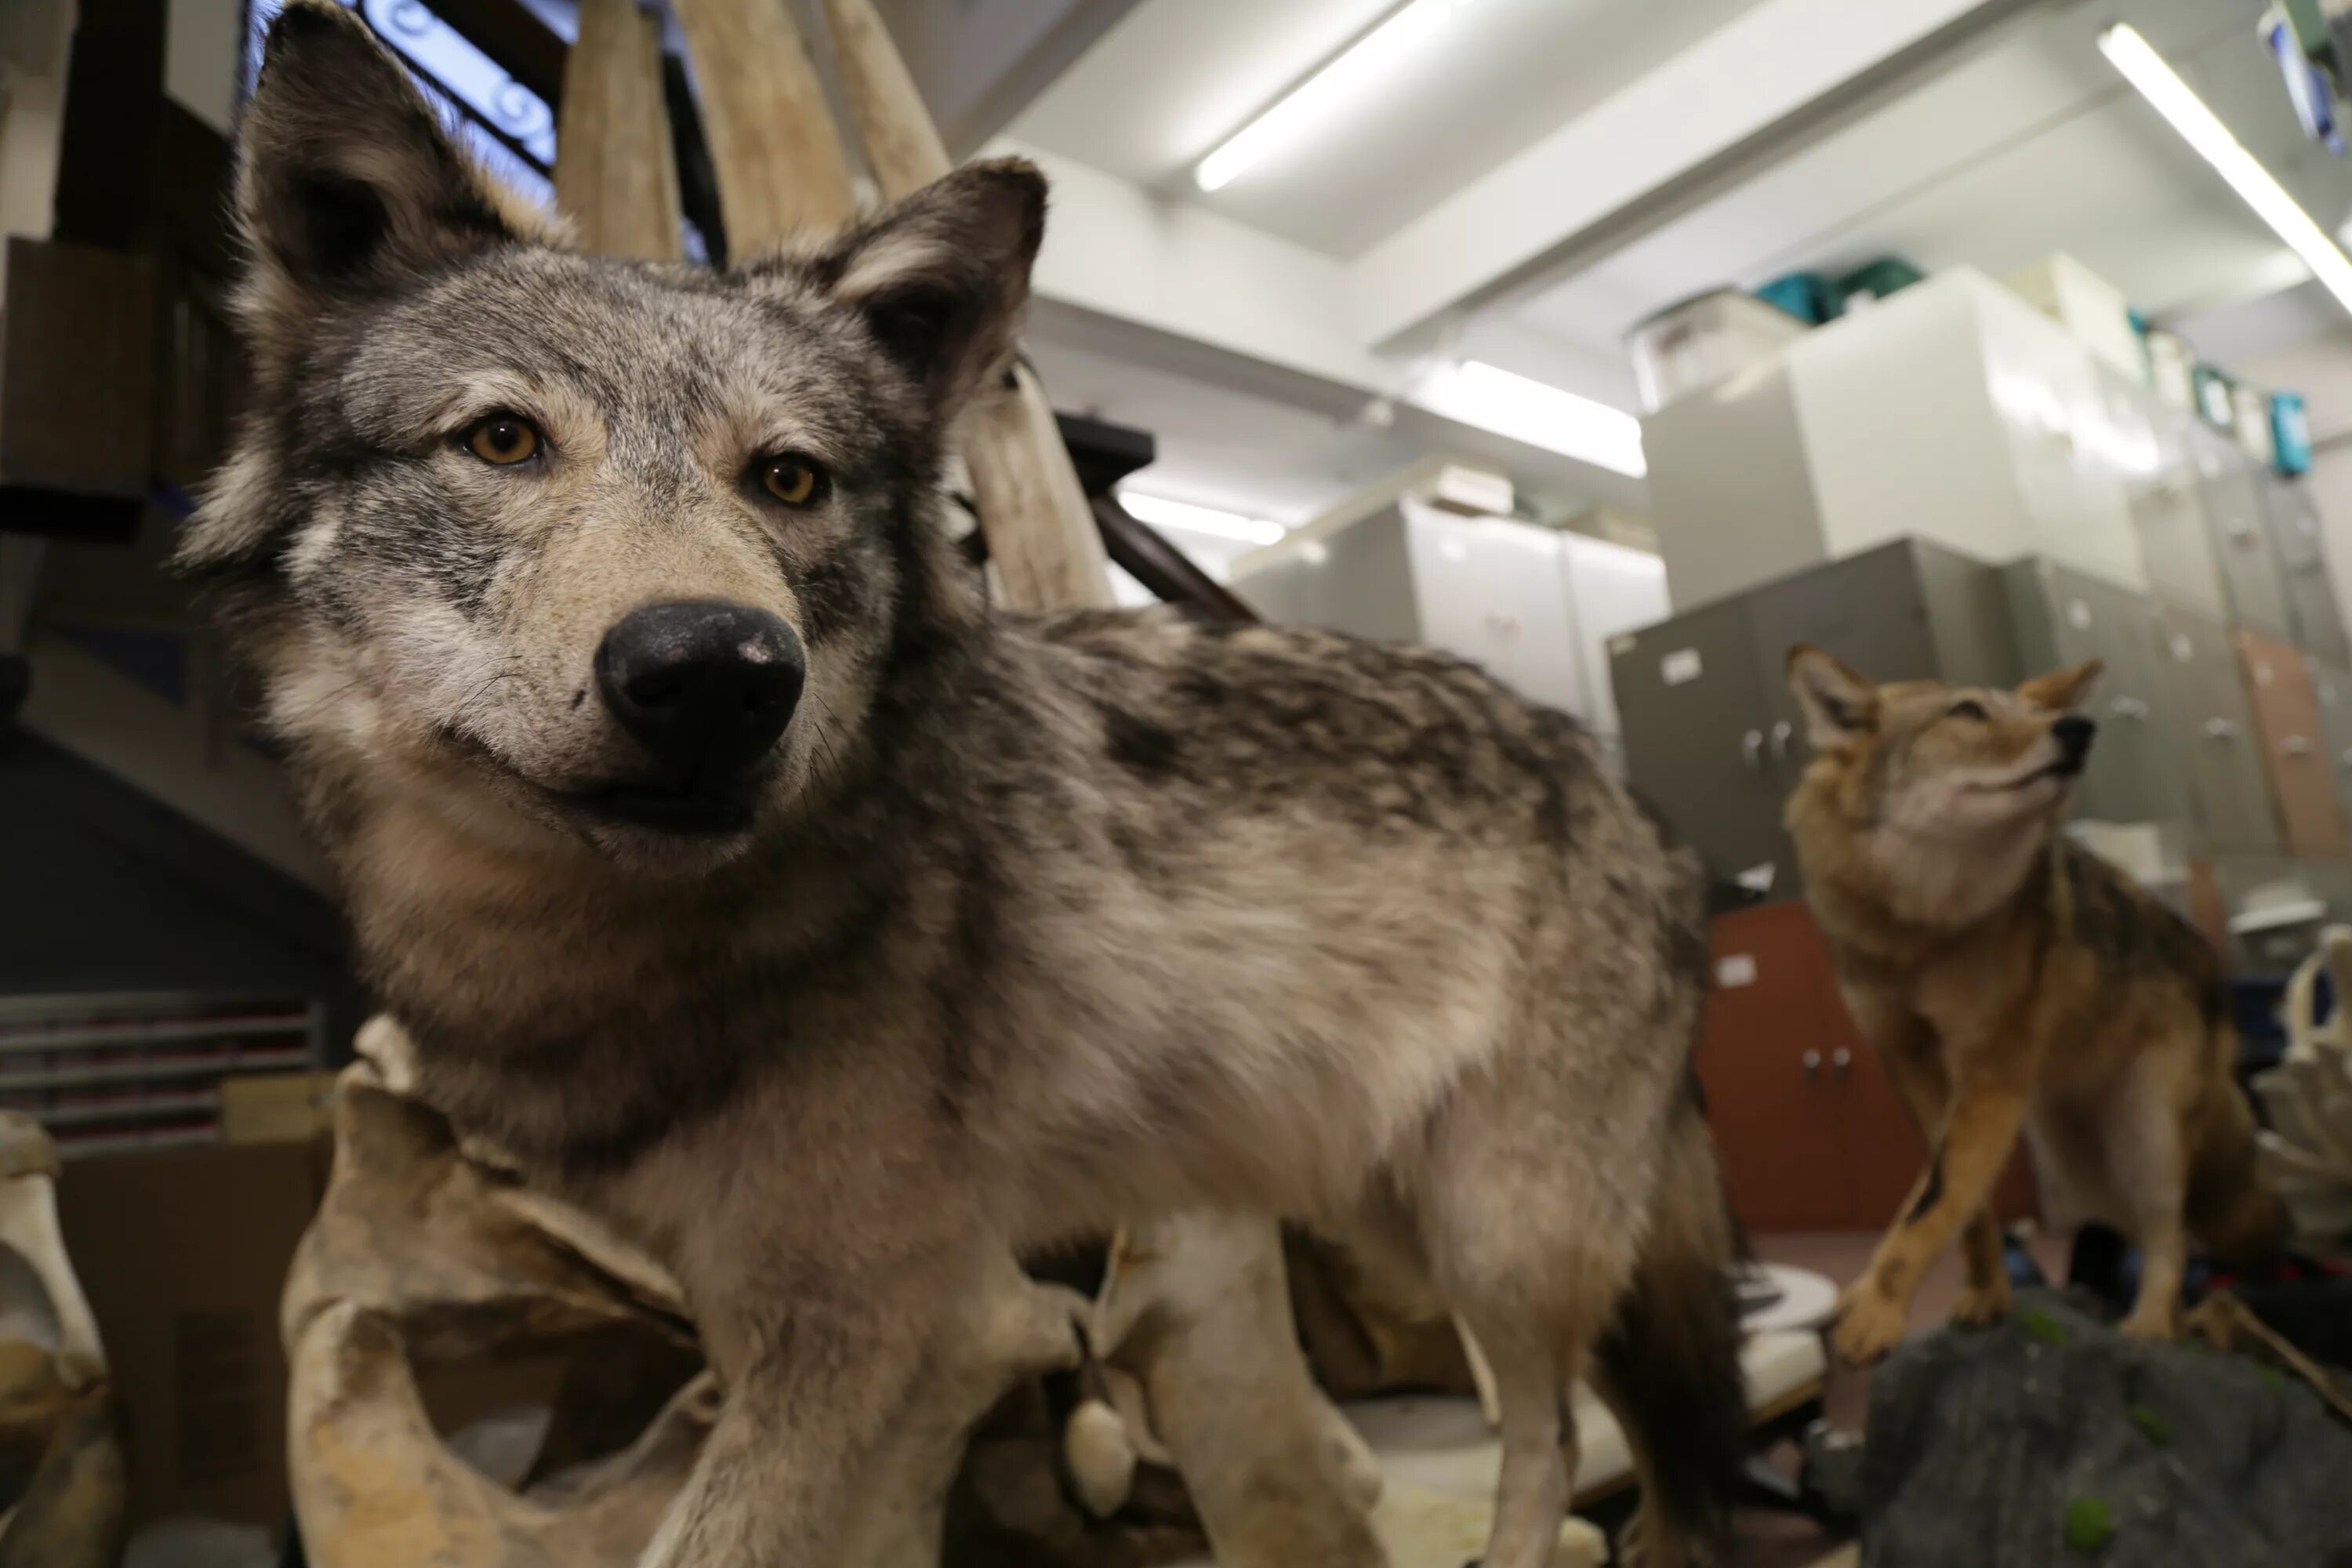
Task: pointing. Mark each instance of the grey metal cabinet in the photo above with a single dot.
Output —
(2204, 709)
(2065, 617)
(2168, 508)
(1713, 736)
(1702, 741)
(2236, 515)
(1905, 611)
(2334, 685)
(2296, 539)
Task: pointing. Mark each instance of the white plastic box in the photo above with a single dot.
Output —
(1700, 342)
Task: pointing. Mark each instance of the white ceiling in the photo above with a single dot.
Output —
(2034, 144)
(1176, 78)
(2025, 142)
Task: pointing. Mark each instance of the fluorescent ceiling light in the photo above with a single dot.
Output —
(2174, 99)
(1183, 516)
(1345, 78)
(1540, 414)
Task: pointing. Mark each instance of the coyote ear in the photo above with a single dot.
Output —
(346, 182)
(1839, 704)
(941, 279)
(2062, 689)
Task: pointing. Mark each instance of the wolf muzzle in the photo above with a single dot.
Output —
(705, 687)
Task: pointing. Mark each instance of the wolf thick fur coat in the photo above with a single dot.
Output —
(732, 863)
(2006, 975)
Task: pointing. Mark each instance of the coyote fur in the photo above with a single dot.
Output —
(734, 865)
(2005, 974)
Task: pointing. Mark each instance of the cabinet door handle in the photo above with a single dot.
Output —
(1781, 734)
(2296, 745)
(1841, 1061)
(1812, 1060)
(2220, 729)
(1751, 751)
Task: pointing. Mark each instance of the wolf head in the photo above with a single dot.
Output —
(584, 555)
(1964, 765)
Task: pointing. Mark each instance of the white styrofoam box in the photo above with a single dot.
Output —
(2096, 311)
(1694, 344)
(1957, 412)
(1611, 589)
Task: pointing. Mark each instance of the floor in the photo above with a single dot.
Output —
(1785, 1541)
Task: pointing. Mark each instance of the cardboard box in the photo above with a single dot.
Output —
(278, 1107)
(183, 1255)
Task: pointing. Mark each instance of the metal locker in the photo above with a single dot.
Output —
(2286, 716)
(2332, 685)
(2203, 705)
(1700, 744)
(2066, 618)
(2236, 515)
(2318, 619)
(2293, 521)
(2167, 510)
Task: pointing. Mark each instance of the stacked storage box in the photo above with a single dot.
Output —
(1952, 486)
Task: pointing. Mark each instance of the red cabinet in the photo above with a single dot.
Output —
(1811, 1135)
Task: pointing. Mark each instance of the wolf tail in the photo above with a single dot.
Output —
(2233, 1210)
(1669, 1365)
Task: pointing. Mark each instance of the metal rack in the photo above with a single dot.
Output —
(109, 1071)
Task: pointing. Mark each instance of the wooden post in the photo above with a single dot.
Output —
(782, 173)
(1041, 532)
(616, 174)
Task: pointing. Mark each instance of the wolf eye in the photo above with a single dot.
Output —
(795, 481)
(505, 439)
(1967, 708)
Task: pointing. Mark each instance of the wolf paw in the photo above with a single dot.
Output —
(1870, 1324)
(1980, 1305)
(2158, 1326)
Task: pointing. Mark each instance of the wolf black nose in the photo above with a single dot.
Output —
(706, 687)
(2074, 734)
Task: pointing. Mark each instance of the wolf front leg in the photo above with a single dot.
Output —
(1987, 1112)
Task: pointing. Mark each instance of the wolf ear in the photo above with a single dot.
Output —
(1839, 704)
(941, 279)
(2057, 692)
(346, 182)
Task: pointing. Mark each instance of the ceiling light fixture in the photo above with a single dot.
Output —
(1537, 413)
(1183, 516)
(2174, 99)
(1363, 64)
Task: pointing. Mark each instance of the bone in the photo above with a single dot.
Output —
(616, 174)
(782, 174)
(29, 1226)
(1195, 1305)
(420, 1253)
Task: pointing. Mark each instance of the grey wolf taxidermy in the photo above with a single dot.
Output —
(733, 864)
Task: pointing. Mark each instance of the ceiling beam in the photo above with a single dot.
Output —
(1740, 96)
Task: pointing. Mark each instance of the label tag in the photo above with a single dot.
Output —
(1735, 971)
(1681, 667)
